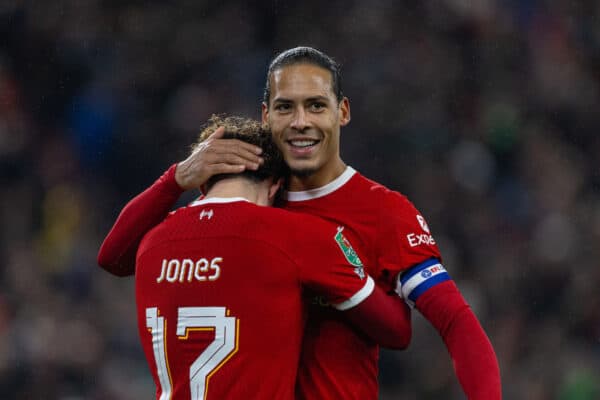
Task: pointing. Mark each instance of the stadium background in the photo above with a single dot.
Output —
(486, 114)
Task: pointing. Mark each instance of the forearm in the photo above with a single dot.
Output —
(117, 253)
(473, 356)
(386, 319)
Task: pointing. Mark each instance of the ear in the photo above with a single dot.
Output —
(265, 112)
(275, 186)
(344, 111)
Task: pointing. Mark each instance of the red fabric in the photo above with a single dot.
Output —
(472, 353)
(146, 210)
(389, 235)
(339, 362)
(384, 318)
(241, 267)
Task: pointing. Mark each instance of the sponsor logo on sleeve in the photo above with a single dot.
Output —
(349, 252)
(423, 223)
(417, 239)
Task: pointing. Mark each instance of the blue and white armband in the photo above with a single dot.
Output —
(415, 281)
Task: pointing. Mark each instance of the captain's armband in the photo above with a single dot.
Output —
(415, 281)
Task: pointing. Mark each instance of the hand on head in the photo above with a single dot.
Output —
(214, 156)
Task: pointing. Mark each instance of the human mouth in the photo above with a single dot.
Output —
(303, 143)
(303, 147)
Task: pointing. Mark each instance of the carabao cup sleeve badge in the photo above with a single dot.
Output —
(349, 252)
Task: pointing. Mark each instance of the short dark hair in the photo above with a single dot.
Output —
(305, 55)
(249, 131)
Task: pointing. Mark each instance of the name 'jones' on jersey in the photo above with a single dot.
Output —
(187, 270)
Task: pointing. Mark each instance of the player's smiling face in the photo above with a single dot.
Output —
(305, 119)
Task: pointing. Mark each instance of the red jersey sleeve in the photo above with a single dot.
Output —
(404, 238)
(411, 258)
(473, 356)
(329, 265)
(384, 318)
(146, 210)
(429, 288)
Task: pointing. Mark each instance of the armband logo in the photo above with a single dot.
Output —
(420, 278)
(349, 252)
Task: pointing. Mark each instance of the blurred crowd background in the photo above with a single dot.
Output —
(486, 114)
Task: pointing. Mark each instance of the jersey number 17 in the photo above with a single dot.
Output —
(209, 361)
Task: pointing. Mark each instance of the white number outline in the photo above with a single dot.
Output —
(217, 353)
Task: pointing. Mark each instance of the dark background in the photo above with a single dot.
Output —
(484, 113)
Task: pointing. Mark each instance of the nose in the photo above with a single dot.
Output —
(299, 122)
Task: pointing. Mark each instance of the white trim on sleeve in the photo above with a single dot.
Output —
(358, 296)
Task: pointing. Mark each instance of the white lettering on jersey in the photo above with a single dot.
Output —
(419, 239)
(416, 239)
(187, 270)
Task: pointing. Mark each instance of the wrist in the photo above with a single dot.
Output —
(172, 182)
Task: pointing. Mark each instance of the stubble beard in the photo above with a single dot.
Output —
(303, 172)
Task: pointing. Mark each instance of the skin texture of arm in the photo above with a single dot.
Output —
(473, 356)
(386, 319)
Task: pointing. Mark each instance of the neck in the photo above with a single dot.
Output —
(239, 187)
(317, 179)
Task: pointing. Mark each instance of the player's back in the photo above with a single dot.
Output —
(219, 301)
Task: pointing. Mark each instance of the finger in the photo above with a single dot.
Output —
(216, 156)
(226, 169)
(218, 134)
(233, 159)
(237, 144)
(237, 148)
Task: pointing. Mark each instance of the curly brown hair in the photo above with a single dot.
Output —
(233, 124)
(249, 131)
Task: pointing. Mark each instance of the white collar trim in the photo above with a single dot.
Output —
(323, 190)
(218, 200)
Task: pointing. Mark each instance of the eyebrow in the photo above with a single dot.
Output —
(310, 99)
(318, 98)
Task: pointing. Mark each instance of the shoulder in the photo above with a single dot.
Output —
(297, 232)
(381, 195)
(396, 214)
(157, 234)
(301, 222)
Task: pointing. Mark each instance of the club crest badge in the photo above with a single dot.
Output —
(349, 252)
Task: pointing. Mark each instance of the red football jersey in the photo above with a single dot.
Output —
(219, 296)
(390, 236)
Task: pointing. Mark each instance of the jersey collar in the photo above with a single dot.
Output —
(323, 190)
(217, 200)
